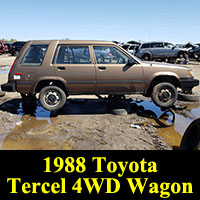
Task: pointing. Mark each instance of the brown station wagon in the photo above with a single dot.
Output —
(56, 69)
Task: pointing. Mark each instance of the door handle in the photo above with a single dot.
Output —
(61, 68)
(102, 68)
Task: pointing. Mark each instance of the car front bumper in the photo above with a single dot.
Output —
(188, 83)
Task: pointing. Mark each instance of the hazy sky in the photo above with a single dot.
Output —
(170, 20)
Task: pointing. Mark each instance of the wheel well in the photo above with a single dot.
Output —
(45, 83)
(181, 52)
(169, 79)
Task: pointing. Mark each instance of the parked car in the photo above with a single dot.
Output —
(191, 137)
(16, 47)
(8, 47)
(56, 69)
(160, 50)
(131, 48)
(195, 53)
(3, 48)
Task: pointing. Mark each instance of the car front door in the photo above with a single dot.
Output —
(113, 74)
(169, 49)
(74, 65)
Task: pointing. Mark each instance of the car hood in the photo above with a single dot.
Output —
(161, 64)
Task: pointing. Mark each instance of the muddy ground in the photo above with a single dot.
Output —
(83, 123)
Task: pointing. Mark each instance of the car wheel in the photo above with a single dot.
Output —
(181, 55)
(120, 112)
(191, 137)
(164, 95)
(52, 98)
(146, 57)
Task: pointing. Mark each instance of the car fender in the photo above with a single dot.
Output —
(159, 75)
(50, 78)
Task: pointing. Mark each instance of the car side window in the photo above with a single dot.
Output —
(73, 55)
(146, 45)
(157, 45)
(109, 55)
(34, 55)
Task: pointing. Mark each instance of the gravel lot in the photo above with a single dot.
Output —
(79, 125)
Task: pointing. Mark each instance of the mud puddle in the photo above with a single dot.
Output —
(175, 130)
(23, 131)
(36, 128)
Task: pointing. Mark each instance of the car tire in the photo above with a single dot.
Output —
(146, 57)
(191, 137)
(52, 98)
(119, 112)
(189, 97)
(164, 95)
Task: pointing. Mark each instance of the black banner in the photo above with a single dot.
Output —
(145, 175)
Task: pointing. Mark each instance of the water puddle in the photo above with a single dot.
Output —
(172, 134)
(24, 130)
(4, 69)
(34, 128)
(28, 131)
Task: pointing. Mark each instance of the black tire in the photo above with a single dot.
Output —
(164, 95)
(191, 137)
(146, 57)
(181, 54)
(52, 98)
(119, 112)
(28, 99)
(116, 101)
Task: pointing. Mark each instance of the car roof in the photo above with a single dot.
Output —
(73, 41)
(157, 42)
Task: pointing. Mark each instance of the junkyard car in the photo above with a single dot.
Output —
(16, 47)
(56, 69)
(160, 50)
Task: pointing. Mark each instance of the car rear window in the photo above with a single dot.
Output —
(35, 54)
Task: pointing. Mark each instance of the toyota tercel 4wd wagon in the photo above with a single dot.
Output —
(56, 69)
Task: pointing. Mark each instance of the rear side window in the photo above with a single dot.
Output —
(73, 55)
(35, 55)
(157, 45)
(146, 45)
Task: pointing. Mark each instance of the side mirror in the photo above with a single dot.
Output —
(173, 47)
(131, 62)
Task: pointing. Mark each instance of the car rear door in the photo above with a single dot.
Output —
(113, 75)
(74, 65)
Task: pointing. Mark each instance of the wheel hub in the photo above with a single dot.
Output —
(165, 95)
(52, 98)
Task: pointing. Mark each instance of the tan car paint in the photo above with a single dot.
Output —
(89, 78)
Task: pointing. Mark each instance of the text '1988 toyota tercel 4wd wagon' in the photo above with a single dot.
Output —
(56, 69)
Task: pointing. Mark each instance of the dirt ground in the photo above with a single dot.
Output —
(83, 123)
